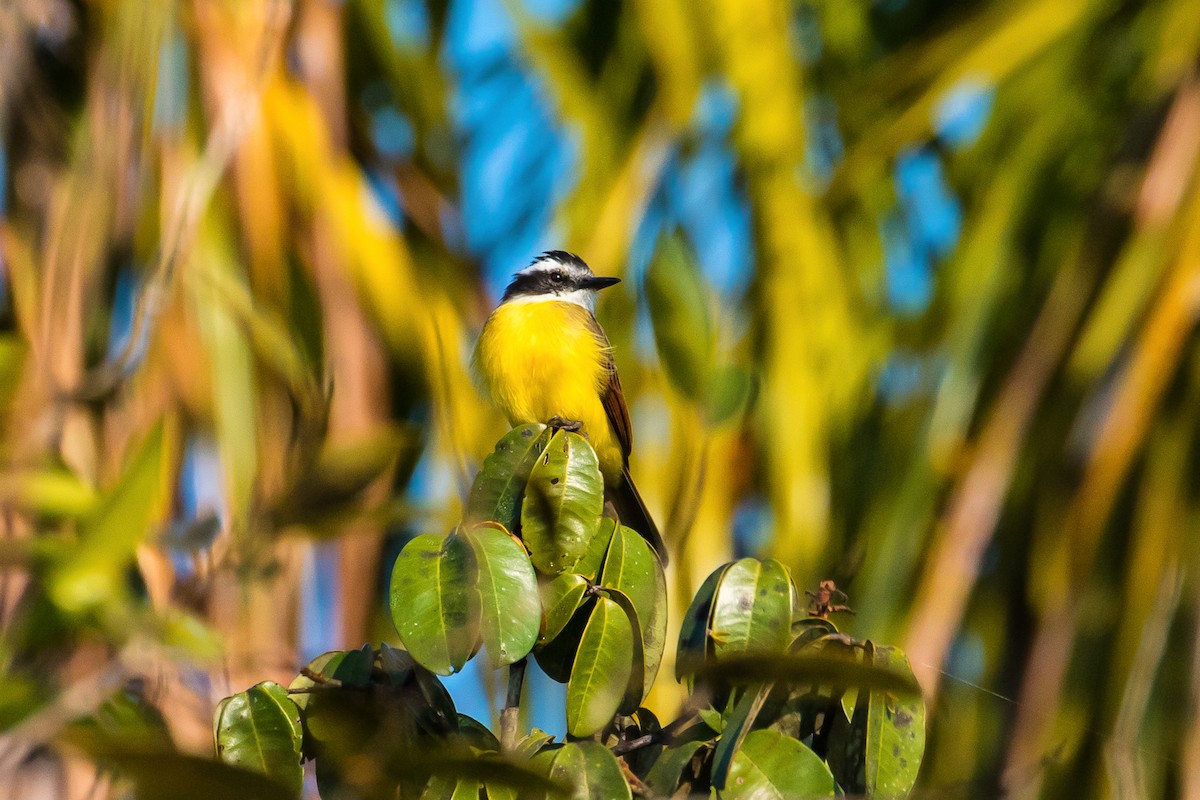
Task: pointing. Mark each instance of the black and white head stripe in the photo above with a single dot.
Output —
(557, 275)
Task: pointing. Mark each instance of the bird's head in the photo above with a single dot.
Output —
(557, 275)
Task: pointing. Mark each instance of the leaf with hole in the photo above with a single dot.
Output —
(498, 488)
(895, 731)
(601, 670)
(563, 500)
(435, 602)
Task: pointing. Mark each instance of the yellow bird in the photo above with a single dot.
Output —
(543, 357)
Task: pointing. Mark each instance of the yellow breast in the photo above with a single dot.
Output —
(539, 360)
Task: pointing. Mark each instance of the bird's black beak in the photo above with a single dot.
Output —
(600, 282)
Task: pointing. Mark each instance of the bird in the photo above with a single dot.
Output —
(542, 357)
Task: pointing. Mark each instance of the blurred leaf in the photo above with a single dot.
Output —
(54, 492)
(728, 392)
(804, 668)
(563, 500)
(895, 732)
(435, 602)
(591, 770)
(175, 776)
(530, 744)
(511, 612)
(259, 729)
(498, 488)
(679, 309)
(560, 598)
(93, 573)
(769, 764)
(633, 568)
(752, 609)
(601, 669)
(693, 648)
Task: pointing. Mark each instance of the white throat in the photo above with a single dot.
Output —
(584, 298)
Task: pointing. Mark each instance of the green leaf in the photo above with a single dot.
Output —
(591, 770)
(498, 488)
(895, 732)
(693, 646)
(323, 665)
(807, 668)
(680, 314)
(52, 491)
(600, 673)
(771, 765)
(259, 729)
(634, 689)
(665, 775)
(511, 611)
(589, 565)
(634, 569)
(174, 776)
(560, 599)
(712, 718)
(728, 390)
(737, 726)
(94, 572)
(752, 609)
(435, 603)
(557, 656)
(478, 735)
(809, 630)
(442, 787)
(563, 500)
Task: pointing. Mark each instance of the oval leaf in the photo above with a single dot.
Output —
(601, 670)
(771, 765)
(637, 657)
(589, 565)
(498, 488)
(435, 603)
(679, 312)
(563, 500)
(633, 568)
(560, 598)
(591, 770)
(895, 732)
(511, 611)
(259, 729)
(752, 610)
(667, 772)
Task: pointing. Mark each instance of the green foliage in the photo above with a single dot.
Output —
(784, 705)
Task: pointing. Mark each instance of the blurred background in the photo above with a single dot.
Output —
(909, 303)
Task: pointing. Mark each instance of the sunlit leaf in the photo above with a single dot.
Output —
(591, 770)
(259, 729)
(93, 573)
(511, 612)
(895, 732)
(435, 603)
(771, 765)
(694, 644)
(632, 567)
(498, 488)
(563, 501)
(752, 609)
(561, 596)
(601, 669)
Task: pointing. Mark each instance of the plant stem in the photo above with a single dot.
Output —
(512, 706)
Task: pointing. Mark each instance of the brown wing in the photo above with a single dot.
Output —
(611, 395)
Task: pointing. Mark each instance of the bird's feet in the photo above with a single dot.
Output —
(558, 423)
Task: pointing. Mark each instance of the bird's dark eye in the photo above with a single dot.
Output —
(557, 276)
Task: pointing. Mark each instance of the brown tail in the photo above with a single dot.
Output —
(631, 511)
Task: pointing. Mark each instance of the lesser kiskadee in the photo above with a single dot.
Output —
(543, 357)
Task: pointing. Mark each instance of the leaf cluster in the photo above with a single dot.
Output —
(782, 704)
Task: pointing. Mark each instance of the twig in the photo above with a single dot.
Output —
(510, 715)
